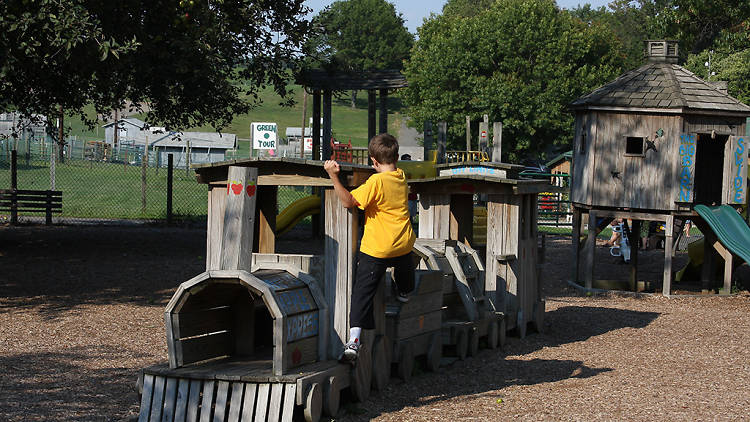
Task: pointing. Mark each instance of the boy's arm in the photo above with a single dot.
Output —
(347, 200)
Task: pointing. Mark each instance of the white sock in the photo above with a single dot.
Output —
(354, 333)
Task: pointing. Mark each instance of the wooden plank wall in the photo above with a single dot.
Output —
(341, 236)
(643, 182)
(502, 241)
(583, 163)
(215, 222)
(434, 216)
(182, 399)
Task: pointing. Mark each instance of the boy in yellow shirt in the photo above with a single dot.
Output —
(388, 238)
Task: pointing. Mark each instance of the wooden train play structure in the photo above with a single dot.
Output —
(257, 335)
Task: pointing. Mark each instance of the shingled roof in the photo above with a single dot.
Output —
(661, 85)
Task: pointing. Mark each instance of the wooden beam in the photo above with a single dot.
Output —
(267, 210)
(727, 256)
(576, 238)
(383, 115)
(591, 244)
(316, 125)
(239, 216)
(371, 113)
(633, 239)
(325, 146)
(668, 231)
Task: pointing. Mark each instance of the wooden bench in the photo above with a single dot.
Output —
(15, 200)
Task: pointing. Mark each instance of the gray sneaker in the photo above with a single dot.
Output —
(351, 350)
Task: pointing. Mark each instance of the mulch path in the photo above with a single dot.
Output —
(81, 312)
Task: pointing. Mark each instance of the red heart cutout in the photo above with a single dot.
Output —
(237, 188)
(250, 190)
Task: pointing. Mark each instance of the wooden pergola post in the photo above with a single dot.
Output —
(316, 125)
(327, 129)
(371, 107)
(383, 117)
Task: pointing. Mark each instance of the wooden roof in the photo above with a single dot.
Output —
(284, 172)
(661, 86)
(343, 81)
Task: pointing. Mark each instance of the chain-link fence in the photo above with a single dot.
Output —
(100, 183)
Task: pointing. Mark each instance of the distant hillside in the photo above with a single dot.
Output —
(348, 123)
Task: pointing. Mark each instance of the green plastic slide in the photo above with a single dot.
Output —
(729, 226)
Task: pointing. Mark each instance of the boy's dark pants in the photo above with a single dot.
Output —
(370, 271)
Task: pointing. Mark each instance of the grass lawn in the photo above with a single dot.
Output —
(106, 190)
(347, 123)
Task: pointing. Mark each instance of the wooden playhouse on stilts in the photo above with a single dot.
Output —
(659, 144)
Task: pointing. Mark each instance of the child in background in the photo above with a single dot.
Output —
(388, 237)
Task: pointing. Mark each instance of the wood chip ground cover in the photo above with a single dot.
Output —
(81, 312)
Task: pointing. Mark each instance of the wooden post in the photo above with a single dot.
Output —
(14, 187)
(427, 144)
(325, 146)
(52, 171)
(316, 125)
(188, 152)
(371, 113)
(727, 256)
(341, 235)
(383, 117)
(497, 141)
(707, 272)
(635, 234)
(14, 169)
(239, 214)
(61, 136)
(266, 219)
(442, 141)
(144, 165)
(468, 133)
(576, 235)
(170, 170)
(668, 230)
(589, 270)
(483, 129)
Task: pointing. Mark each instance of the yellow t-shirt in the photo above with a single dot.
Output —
(384, 198)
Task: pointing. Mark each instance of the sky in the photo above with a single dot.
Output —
(415, 11)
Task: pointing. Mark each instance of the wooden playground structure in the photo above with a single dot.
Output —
(657, 144)
(257, 335)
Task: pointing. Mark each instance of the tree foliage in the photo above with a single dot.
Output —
(362, 35)
(729, 56)
(189, 62)
(521, 62)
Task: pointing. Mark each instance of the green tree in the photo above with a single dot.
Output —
(186, 62)
(362, 35)
(521, 62)
(729, 57)
(697, 23)
(466, 8)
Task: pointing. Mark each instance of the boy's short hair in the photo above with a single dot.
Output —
(383, 148)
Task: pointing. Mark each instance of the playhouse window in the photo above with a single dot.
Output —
(634, 145)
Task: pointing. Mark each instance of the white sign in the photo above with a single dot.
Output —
(308, 145)
(264, 135)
